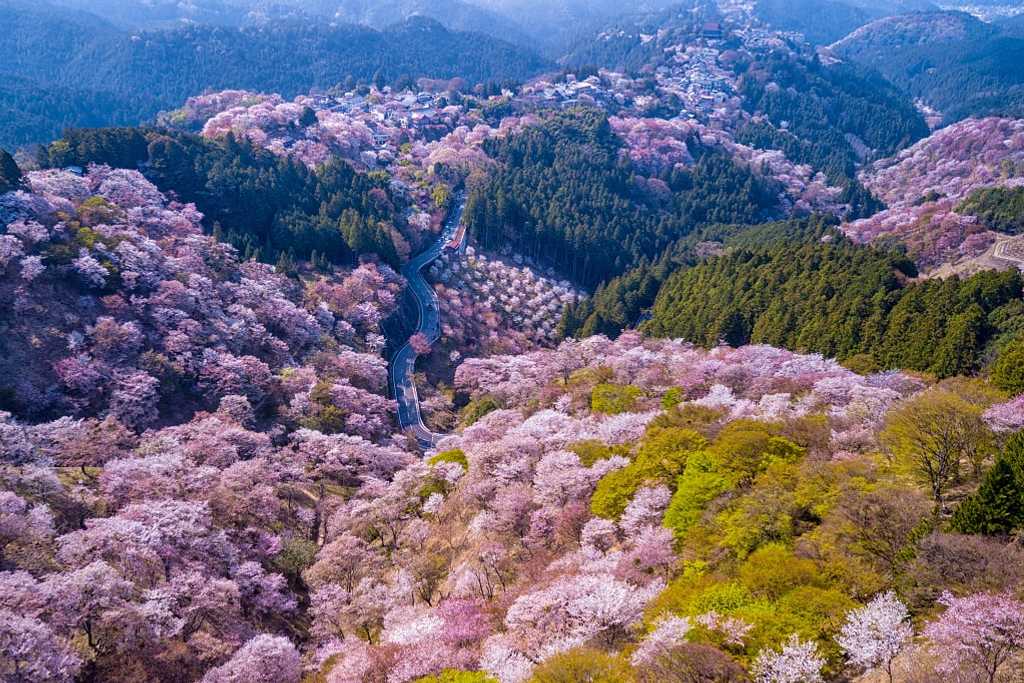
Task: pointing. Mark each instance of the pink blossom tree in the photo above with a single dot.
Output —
(979, 632)
(264, 659)
(29, 651)
(420, 344)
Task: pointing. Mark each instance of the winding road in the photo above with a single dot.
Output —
(1000, 253)
(403, 364)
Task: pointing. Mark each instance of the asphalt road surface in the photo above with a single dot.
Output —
(403, 384)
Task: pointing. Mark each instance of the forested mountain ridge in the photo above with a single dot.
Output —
(825, 21)
(954, 62)
(110, 77)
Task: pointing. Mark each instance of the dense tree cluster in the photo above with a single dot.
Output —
(622, 302)
(997, 208)
(117, 306)
(265, 205)
(10, 174)
(562, 196)
(843, 301)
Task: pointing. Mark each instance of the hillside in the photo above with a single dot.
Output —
(557, 23)
(385, 352)
(843, 301)
(456, 15)
(137, 75)
(825, 21)
(952, 61)
(162, 13)
(924, 184)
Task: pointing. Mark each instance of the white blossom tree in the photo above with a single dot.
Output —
(874, 635)
(796, 662)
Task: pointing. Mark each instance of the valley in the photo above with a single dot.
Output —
(508, 341)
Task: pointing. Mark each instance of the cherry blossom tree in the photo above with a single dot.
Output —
(874, 635)
(575, 609)
(264, 658)
(978, 632)
(22, 523)
(29, 651)
(419, 344)
(797, 662)
(668, 633)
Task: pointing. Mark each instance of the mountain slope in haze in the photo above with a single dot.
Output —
(557, 23)
(456, 15)
(1012, 25)
(106, 76)
(826, 21)
(163, 13)
(950, 60)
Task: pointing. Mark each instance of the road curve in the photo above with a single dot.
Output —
(403, 363)
(1000, 253)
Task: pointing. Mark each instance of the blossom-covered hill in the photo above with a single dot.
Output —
(924, 185)
(203, 476)
(614, 508)
(952, 61)
(116, 305)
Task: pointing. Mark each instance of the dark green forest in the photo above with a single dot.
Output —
(821, 106)
(972, 72)
(562, 196)
(621, 302)
(265, 205)
(10, 174)
(998, 208)
(844, 301)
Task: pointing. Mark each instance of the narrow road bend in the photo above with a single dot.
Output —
(403, 363)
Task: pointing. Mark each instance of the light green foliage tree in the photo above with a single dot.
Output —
(672, 398)
(1008, 370)
(592, 451)
(455, 455)
(612, 399)
(700, 419)
(583, 665)
(701, 482)
(477, 408)
(746, 447)
(661, 458)
(932, 435)
(773, 570)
